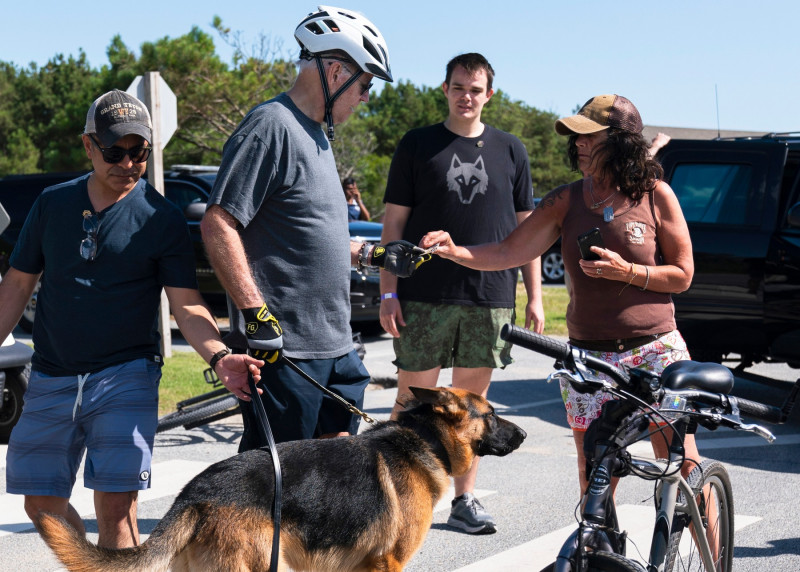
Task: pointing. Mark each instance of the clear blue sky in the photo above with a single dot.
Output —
(667, 57)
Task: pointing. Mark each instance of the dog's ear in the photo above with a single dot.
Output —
(442, 399)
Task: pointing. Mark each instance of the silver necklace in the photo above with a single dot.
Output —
(608, 212)
(595, 202)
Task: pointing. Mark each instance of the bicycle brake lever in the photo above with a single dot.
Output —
(758, 430)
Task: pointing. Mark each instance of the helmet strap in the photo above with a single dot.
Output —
(331, 99)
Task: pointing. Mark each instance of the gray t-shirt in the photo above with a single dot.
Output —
(278, 178)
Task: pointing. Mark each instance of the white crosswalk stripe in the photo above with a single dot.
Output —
(169, 478)
(538, 553)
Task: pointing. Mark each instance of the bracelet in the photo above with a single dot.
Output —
(633, 274)
(388, 295)
(630, 281)
(646, 280)
(218, 356)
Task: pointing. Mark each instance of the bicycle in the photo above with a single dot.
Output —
(694, 516)
(201, 409)
(218, 404)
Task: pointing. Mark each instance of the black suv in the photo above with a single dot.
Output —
(188, 186)
(741, 200)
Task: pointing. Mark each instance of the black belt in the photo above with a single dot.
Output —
(617, 346)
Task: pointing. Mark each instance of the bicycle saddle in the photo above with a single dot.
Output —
(688, 374)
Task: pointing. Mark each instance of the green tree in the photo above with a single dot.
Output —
(43, 110)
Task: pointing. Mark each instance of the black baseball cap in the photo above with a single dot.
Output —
(116, 114)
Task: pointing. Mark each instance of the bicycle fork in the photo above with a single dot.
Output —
(598, 530)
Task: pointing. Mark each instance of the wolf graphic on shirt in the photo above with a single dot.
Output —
(467, 179)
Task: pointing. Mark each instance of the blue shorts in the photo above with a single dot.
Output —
(113, 419)
(296, 409)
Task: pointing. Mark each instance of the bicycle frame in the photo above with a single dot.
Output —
(599, 529)
(670, 483)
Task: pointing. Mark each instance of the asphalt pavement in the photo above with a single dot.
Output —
(532, 493)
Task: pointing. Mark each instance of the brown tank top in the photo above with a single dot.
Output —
(597, 310)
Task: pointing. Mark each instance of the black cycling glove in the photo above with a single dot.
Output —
(399, 257)
(264, 334)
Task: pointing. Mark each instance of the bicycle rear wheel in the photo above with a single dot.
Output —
(683, 554)
(605, 562)
(195, 414)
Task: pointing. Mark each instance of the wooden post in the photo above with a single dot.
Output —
(155, 170)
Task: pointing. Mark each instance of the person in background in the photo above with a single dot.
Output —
(356, 210)
(475, 180)
(620, 308)
(276, 233)
(658, 142)
(104, 245)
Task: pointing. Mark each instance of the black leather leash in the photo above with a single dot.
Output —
(338, 398)
(266, 437)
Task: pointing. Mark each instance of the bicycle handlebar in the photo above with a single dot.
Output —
(762, 411)
(566, 353)
(560, 351)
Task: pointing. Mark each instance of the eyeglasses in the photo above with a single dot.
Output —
(114, 154)
(90, 227)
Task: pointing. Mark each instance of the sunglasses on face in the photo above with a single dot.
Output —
(364, 88)
(114, 154)
(89, 244)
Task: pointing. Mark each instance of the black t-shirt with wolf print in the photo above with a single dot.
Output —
(472, 187)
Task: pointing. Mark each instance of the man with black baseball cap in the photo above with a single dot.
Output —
(103, 246)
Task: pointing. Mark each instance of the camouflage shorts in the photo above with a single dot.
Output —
(447, 335)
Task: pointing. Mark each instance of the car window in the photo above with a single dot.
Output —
(718, 193)
(183, 193)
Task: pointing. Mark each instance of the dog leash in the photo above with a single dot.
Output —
(266, 436)
(339, 399)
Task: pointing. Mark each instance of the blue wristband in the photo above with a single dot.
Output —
(389, 295)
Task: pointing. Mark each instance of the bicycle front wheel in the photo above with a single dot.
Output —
(715, 498)
(605, 562)
(197, 413)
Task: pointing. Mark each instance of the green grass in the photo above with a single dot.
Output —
(182, 377)
(183, 372)
(555, 300)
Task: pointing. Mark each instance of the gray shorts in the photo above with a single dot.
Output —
(447, 335)
(114, 421)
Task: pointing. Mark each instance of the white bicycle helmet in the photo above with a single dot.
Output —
(331, 28)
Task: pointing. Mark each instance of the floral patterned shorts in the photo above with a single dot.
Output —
(583, 408)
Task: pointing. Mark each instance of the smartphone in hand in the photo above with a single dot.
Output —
(589, 239)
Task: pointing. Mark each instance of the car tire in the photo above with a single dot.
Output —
(553, 267)
(12, 400)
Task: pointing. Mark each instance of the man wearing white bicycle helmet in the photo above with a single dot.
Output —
(348, 37)
(276, 233)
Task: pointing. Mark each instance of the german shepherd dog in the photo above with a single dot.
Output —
(356, 503)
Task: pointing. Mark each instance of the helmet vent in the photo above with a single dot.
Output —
(372, 51)
(371, 30)
(346, 15)
(332, 25)
(315, 28)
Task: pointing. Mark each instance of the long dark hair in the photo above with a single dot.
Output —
(626, 162)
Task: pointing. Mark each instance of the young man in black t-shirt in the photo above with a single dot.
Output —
(474, 181)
